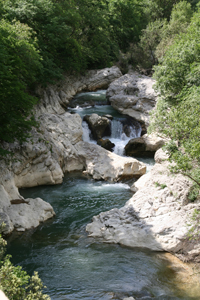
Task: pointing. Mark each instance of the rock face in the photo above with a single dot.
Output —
(99, 126)
(54, 149)
(144, 146)
(133, 95)
(55, 98)
(155, 217)
(102, 164)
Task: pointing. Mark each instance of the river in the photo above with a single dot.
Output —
(75, 266)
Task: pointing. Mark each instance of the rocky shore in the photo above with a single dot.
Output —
(158, 214)
(54, 149)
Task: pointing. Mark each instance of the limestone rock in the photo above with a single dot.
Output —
(99, 126)
(102, 164)
(103, 78)
(133, 95)
(56, 97)
(160, 156)
(29, 215)
(144, 146)
(156, 217)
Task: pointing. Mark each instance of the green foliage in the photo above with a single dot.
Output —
(127, 20)
(193, 232)
(16, 283)
(19, 62)
(193, 193)
(178, 108)
(161, 185)
(160, 34)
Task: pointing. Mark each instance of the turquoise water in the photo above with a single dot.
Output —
(75, 266)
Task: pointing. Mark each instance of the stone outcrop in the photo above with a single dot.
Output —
(55, 98)
(102, 164)
(156, 217)
(54, 149)
(49, 153)
(99, 126)
(133, 95)
(144, 146)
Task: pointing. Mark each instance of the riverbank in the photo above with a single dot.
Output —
(57, 148)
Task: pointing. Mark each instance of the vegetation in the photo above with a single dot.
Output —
(178, 108)
(40, 40)
(15, 282)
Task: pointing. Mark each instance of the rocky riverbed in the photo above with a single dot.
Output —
(157, 214)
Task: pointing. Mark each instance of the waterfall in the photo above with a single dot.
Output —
(120, 138)
(87, 133)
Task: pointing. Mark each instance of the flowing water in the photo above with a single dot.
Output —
(118, 136)
(75, 266)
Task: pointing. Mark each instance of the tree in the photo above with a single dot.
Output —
(15, 282)
(19, 63)
(178, 108)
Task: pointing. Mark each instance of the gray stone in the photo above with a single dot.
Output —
(144, 146)
(99, 126)
(133, 95)
(156, 217)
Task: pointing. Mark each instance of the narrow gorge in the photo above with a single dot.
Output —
(62, 178)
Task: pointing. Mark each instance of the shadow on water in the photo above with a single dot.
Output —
(74, 266)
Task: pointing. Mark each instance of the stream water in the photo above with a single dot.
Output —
(75, 266)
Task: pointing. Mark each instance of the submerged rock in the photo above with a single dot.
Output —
(133, 95)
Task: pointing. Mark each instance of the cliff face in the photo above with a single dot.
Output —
(55, 148)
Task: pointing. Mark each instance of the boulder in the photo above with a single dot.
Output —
(133, 95)
(157, 217)
(106, 144)
(99, 126)
(144, 146)
(30, 214)
(104, 165)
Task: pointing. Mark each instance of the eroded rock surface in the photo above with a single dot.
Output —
(55, 98)
(156, 217)
(102, 164)
(133, 95)
(99, 126)
(54, 149)
(144, 146)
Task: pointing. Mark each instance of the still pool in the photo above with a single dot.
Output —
(74, 266)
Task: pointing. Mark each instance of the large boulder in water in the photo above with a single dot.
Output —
(106, 144)
(133, 95)
(144, 146)
(99, 126)
(105, 165)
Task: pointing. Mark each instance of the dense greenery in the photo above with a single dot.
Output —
(40, 40)
(15, 282)
(178, 109)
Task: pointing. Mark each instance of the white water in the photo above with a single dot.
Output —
(118, 137)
